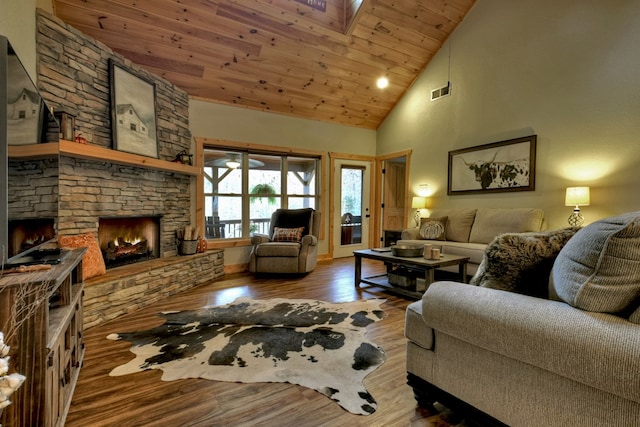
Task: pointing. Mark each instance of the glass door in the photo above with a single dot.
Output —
(352, 181)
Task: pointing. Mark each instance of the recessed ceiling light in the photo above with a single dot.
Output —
(383, 82)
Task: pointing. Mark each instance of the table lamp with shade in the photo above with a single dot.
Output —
(576, 196)
(418, 203)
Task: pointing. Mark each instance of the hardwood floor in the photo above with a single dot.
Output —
(142, 399)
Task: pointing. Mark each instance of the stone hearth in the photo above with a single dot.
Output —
(126, 289)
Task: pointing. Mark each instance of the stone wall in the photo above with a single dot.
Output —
(90, 190)
(127, 289)
(33, 188)
(73, 75)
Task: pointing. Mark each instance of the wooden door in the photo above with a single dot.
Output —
(394, 194)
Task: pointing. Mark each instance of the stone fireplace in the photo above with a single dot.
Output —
(127, 240)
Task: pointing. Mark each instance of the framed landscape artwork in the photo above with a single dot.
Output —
(25, 108)
(133, 113)
(497, 167)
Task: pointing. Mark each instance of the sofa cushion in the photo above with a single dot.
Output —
(281, 234)
(489, 222)
(599, 268)
(459, 223)
(521, 262)
(433, 228)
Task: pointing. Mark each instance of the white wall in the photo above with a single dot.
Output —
(240, 124)
(566, 71)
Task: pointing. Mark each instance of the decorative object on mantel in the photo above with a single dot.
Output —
(497, 167)
(316, 344)
(81, 139)
(188, 240)
(184, 157)
(133, 112)
(418, 203)
(67, 122)
(576, 196)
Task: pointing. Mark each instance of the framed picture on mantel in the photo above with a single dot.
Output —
(133, 112)
(497, 167)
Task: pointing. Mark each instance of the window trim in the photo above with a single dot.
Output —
(202, 143)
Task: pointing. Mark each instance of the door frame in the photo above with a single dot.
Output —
(378, 189)
(333, 157)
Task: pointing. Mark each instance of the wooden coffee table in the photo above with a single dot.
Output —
(422, 268)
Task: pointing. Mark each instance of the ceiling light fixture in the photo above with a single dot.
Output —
(382, 82)
(232, 164)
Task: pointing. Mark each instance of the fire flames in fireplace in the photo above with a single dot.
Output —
(129, 239)
(27, 233)
(122, 248)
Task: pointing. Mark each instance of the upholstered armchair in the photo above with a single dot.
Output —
(292, 243)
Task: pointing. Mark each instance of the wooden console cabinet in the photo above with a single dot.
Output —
(48, 346)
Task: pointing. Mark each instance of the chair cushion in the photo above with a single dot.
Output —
(599, 268)
(293, 218)
(278, 249)
(281, 234)
(433, 228)
(521, 262)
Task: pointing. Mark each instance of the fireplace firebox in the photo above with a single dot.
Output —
(127, 240)
(29, 232)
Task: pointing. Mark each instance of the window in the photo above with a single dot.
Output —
(242, 189)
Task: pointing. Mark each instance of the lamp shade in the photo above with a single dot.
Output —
(419, 202)
(577, 196)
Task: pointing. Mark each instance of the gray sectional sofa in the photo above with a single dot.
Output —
(468, 231)
(570, 359)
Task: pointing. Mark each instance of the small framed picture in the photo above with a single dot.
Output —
(497, 167)
(133, 112)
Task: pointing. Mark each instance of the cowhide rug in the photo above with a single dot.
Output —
(315, 344)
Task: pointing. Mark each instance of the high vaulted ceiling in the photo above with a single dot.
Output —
(283, 56)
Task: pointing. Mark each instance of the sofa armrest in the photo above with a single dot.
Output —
(596, 349)
(410, 234)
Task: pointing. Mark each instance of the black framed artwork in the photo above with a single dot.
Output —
(497, 167)
(133, 112)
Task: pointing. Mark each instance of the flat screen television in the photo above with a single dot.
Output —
(24, 120)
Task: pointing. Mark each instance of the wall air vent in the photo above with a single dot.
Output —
(441, 92)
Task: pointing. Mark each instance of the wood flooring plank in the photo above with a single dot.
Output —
(142, 399)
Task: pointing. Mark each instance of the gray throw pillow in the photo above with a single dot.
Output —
(599, 269)
(521, 262)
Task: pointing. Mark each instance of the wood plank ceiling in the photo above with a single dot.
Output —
(281, 56)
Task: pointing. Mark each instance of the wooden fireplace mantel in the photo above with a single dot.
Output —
(94, 152)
